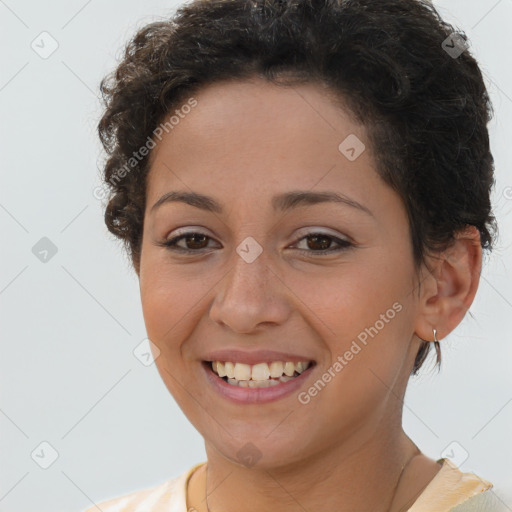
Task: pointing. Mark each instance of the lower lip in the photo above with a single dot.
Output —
(255, 395)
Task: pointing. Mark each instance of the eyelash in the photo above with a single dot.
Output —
(171, 244)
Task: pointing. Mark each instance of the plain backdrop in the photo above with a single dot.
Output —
(81, 418)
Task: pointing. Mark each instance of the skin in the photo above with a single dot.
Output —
(243, 143)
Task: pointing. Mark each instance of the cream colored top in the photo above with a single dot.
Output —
(449, 490)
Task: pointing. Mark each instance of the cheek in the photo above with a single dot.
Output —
(166, 299)
(368, 350)
(166, 302)
(173, 305)
(365, 313)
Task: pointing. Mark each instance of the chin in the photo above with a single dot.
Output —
(257, 449)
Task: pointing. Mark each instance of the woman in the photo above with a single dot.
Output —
(303, 188)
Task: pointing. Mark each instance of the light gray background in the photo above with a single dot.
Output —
(69, 326)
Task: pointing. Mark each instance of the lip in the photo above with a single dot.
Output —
(254, 395)
(254, 357)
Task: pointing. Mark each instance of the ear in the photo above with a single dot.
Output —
(449, 287)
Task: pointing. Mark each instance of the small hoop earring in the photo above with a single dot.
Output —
(435, 336)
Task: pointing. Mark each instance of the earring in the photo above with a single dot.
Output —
(436, 344)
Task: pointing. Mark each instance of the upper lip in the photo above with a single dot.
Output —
(254, 356)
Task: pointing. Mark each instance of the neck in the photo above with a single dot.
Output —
(339, 479)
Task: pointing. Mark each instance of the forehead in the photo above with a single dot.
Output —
(251, 135)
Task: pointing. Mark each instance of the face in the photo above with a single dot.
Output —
(268, 268)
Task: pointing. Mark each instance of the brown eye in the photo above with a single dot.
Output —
(321, 243)
(316, 243)
(194, 242)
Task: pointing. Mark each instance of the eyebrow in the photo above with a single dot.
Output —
(282, 202)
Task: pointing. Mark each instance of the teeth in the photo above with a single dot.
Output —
(299, 367)
(289, 369)
(242, 371)
(276, 369)
(259, 375)
(262, 383)
(258, 383)
(221, 370)
(229, 368)
(260, 371)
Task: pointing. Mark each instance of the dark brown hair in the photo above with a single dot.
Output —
(399, 68)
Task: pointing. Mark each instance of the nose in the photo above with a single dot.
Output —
(250, 296)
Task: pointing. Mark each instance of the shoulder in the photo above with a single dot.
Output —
(169, 496)
(453, 490)
(486, 501)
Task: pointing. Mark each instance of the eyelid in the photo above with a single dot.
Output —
(189, 230)
(312, 230)
(308, 230)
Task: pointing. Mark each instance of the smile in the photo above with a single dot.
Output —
(257, 383)
(258, 375)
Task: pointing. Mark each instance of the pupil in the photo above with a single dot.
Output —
(193, 237)
(315, 239)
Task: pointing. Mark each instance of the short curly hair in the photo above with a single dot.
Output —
(397, 67)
